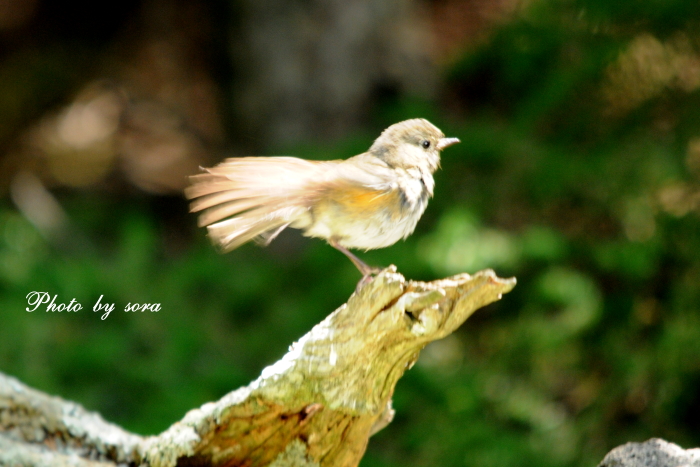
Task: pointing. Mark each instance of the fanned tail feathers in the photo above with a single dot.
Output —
(252, 198)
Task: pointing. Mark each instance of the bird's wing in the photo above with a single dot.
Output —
(360, 184)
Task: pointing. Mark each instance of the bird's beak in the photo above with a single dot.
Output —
(445, 142)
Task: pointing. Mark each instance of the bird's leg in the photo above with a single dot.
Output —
(365, 269)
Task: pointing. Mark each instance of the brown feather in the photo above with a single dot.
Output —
(264, 194)
(224, 210)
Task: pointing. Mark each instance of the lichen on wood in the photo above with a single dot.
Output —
(318, 405)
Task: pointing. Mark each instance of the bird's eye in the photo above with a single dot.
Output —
(425, 144)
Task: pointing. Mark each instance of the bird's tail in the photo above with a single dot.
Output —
(253, 198)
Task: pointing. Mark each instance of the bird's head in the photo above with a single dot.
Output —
(412, 143)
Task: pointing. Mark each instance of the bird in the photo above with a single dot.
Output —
(368, 201)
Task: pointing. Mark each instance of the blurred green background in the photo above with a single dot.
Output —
(578, 173)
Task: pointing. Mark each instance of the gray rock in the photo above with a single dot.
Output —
(652, 453)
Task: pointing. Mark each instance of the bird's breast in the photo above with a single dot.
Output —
(367, 218)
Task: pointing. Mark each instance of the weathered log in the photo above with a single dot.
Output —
(317, 406)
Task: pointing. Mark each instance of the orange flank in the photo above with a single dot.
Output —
(363, 201)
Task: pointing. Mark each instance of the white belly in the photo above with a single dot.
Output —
(372, 230)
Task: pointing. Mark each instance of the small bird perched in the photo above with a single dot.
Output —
(367, 201)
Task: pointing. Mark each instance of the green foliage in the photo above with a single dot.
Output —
(590, 206)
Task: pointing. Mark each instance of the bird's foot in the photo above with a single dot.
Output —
(368, 273)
